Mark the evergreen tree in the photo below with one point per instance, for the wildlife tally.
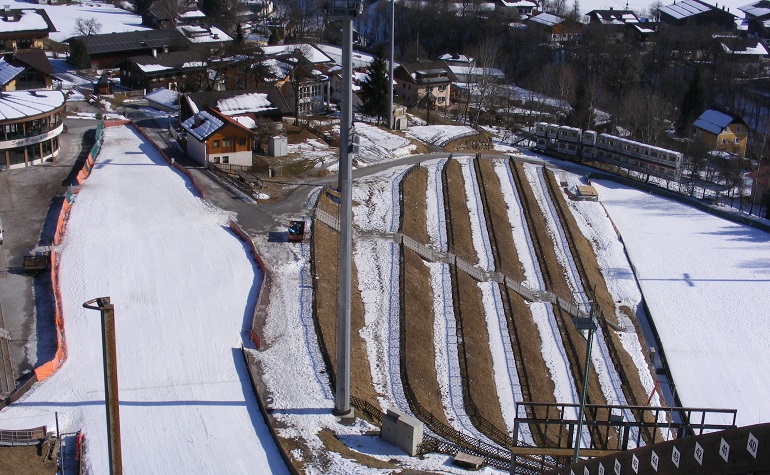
(212, 8)
(238, 34)
(374, 92)
(140, 6)
(691, 104)
(275, 38)
(581, 114)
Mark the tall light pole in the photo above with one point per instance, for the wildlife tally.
(110, 363)
(390, 63)
(581, 324)
(345, 11)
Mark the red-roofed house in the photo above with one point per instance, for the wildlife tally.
(214, 138)
(722, 131)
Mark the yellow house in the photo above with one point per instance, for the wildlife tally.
(722, 131)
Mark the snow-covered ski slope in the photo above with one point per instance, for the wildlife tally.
(705, 281)
(184, 289)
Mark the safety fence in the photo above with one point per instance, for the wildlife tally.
(23, 436)
(259, 308)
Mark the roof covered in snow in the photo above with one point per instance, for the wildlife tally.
(20, 104)
(164, 97)
(614, 17)
(685, 8)
(758, 9)
(359, 59)
(27, 19)
(202, 125)
(203, 34)
(546, 19)
(519, 4)
(192, 14)
(748, 48)
(8, 71)
(178, 60)
(476, 71)
(257, 102)
(309, 51)
(715, 121)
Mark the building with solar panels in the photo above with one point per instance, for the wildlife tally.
(696, 13)
(30, 125)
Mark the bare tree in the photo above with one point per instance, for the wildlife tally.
(87, 26)
(487, 53)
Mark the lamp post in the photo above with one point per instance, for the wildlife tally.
(582, 323)
(110, 363)
(345, 11)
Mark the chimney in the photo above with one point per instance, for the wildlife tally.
(7, 8)
(197, 120)
(216, 36)
(155, 52)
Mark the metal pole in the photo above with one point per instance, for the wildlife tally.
(342, 390)
(110, 364)
(391, 123)
(584, 390)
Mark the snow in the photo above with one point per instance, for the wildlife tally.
(309, 51)
(28, 20)
(244, 103)
(199, 34)
(377, 145)
(713, 121)
(359, 60)
(209, 124)
(63, 17)
(164, 97)
(704, 280)
(439, 134)
(186, 400)
(150, 68)
(20, 104)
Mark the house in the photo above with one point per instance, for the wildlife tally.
(426, 80)
(744, 51)
(335, 84)
(30, 127)
(760, 182)
(472, 74)
(204, 34)
(696, 13)
(214, 138)
(110, 49)
(24, 28)
(757, 18)
(555, 29)
(312, 53)
(524, 8)
(158, 16)
(612, 17)
(456, 59)
(25, 70)
(722, 131)
(255, 104)
(179, 69)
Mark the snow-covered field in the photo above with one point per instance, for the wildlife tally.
(705, 281)
(184, 288)
(64, 17)
(439, 134)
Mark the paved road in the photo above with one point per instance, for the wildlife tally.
(27, 197)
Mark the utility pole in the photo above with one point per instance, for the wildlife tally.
(345, 11)
(110, 363)
(391, 123)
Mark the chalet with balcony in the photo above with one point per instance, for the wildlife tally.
(214, 138)
(555, 29)
(757, 19)
(722, 131)
(24, 28)
(25, 70)
(180, 69)
(426, 80)
(253, 104)
(696, 13)
(110, 49)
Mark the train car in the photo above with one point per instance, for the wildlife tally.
(639, 157)
(541, 139)
(568, 140)
(588, 144)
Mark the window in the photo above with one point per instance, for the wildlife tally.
(737, 128)
(216, 144)
(227, 142)
(242, 141)
(737, 140)
(441, 88)
(441, 99)
(226, 159)
(724, 141)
